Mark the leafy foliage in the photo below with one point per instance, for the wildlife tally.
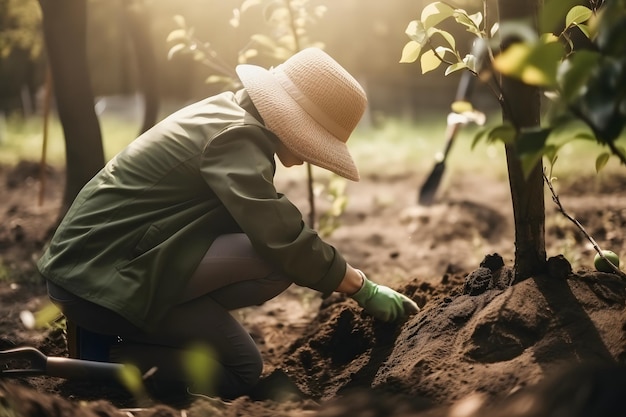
(287, 21)
(19, 27)
(336, 196)
(586, 84)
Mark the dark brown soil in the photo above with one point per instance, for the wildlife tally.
(482, 344)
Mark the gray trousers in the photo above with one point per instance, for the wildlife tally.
(230, 276)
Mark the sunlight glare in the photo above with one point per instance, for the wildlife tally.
(467, 406)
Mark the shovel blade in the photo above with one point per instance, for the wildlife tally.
(431, 185)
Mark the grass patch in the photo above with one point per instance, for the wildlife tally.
(394, 147)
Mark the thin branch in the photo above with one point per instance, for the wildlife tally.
(439, 57)
(309, 168)
(557, 201)
(292, 26)
(617, 152)
(215, 62)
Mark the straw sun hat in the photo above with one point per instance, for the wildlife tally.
(312, 104)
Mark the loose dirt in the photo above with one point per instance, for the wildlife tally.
(483, 343)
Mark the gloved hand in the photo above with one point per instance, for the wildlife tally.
(382, 302)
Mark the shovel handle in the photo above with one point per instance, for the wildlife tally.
(82, 369)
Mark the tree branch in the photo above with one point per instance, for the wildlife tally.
(557, 201)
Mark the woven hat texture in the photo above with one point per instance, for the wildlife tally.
(312, 104)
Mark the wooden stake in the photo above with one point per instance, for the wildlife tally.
(44, 145)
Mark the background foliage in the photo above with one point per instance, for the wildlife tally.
(365, 36)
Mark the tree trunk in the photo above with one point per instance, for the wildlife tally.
(138, 28)
(522, 109)
(64, 27)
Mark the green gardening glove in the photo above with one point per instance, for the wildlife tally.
(382, 302)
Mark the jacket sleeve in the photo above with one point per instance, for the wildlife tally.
(239, 167)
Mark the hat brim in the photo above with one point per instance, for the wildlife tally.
(299, 132)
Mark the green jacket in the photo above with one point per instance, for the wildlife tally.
(137, 231)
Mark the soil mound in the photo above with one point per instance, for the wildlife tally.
(494, 341)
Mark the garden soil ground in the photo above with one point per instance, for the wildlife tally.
(483, 343)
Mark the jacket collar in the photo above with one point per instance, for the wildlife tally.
(244, 100)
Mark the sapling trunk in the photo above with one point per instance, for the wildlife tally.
(522, 109)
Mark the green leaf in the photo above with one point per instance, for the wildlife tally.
(235, 21)
(481, 135)
(610, 32)
(585, 29)
(566, 130)
(180, 21)
(442, 51)
(477, 18)
(446, 35)
(602, 160)
(464, 19)
(550, 152)
(504, 133)
(429, 61)
(176, 35)
(410, 52)
(175, 49)
(552, 14)
(132, 379)
(46, 315)
(573, 73)
(548, 37)
(200, 366)
(532, 140)
(434, 13)
(248, 53)
(462, 106)
(417, 32)
(494, 29)
(534, 64)
(215, 79)
(512, 59)
(530, 148)
(577, 15)
(455, 67)
(198, 55)
(471, 62)
(600, 99)
(542, 64)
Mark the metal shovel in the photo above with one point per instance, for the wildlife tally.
(37, 363)
(464, 91)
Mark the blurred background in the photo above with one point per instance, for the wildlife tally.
(365, 36)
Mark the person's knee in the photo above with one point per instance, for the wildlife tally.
(278, 281)
(253, 370)
(243, 378)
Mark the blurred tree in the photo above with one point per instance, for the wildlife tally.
(64, 26)
(65, 34)
(137, 24)
(19, 24)
(20, 51)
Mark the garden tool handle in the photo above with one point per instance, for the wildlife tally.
(82, 369)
